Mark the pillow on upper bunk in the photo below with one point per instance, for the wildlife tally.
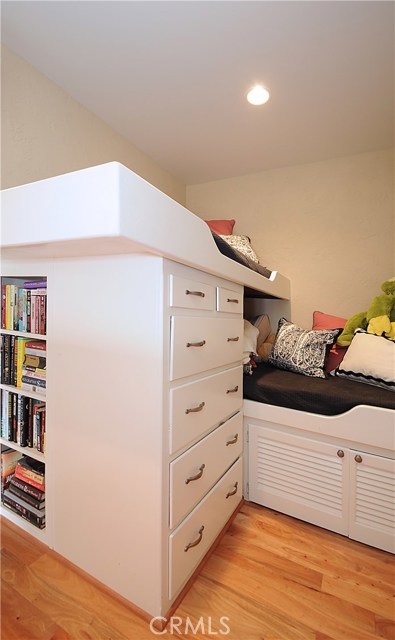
(369, 359)
(326, 321)
(221, 226)
(242, 244)
(301, 350)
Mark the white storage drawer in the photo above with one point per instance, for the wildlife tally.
(189, 543)
(190, 294)
(229, 300)
(200, 344)
(198, 406)
(194, 472)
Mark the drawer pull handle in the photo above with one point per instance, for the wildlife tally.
(234, 440)
(234, 390)
(195, 293)
(196, 344)
(232, 493)
(358, 458)
(197, 541)
(232, 300)
(195, 409)
(198, 475)
(236, 339)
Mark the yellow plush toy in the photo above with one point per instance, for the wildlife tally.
(379, 319)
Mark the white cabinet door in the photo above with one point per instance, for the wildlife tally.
(372, 500)
(303, 478)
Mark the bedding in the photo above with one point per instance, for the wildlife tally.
(331, 396)
(232, 253)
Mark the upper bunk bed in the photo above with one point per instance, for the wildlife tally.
(108, 209)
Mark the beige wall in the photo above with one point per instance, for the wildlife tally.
(45, 132)
(328, 226)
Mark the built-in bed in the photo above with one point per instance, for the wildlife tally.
(320, 449)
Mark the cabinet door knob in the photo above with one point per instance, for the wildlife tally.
(195, 293)
(358, 458)
(232, 493)
(195, 409)
(196, 344)
(234, 390)
(236, 339)
(340, 453)
(197, 476)
(197, 541)
(234, 440)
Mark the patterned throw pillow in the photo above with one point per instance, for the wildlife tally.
(242, 244)
(369, 359)
(301, 350)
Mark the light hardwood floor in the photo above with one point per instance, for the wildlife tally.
(270, 578)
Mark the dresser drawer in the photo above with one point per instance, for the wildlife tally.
(190, 294)
(189, 543)
(200, 344)
(229, 301)
(198, 406)
(194, 472)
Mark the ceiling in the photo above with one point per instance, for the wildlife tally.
(171, 77)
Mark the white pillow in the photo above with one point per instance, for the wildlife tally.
(242, 244)
(369, 359)
(250, 341)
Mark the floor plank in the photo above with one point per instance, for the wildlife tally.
(271, 578)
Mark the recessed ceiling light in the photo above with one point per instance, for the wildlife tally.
(258, 95)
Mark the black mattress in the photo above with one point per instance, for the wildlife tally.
(330, 396)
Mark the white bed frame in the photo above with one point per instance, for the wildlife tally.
(336, 472)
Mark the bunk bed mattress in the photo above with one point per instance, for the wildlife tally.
(330, 396)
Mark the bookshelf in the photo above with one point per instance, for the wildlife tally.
(23, 401)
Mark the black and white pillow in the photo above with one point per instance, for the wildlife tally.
(301, 350)
(369, 359)
(242, 244)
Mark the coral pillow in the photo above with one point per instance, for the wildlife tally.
(222, 227)
(325, 321)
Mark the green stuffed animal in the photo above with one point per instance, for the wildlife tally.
(379, 319)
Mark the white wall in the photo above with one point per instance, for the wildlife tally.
(45, 132)
(328, 226)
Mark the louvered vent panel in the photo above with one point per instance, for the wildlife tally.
(308, 477)
(375, 498)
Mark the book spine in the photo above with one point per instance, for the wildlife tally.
(22, 474)
(28, 310)
(37, 504)
(31, 473)
(34, 380)
(28, 488)
(38, 521)
(36, 344)
(3, 307)
(11, 374)
(35, 284)
(8, 306)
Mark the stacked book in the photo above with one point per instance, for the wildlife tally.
(34, 367)
(25, 494)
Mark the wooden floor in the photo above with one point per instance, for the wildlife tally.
(271, 578)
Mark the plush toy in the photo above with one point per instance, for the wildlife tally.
(265, 339)
(379, 319)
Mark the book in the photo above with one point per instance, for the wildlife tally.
(37, 504)
(32, 362)
(33, 388)
(33, 380)
(3, 307)
(35, 284)
(28, 488)
(31, 471)
(27, 511)
(21, 342)
(9, 459)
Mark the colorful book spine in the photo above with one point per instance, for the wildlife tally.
(26, 487)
